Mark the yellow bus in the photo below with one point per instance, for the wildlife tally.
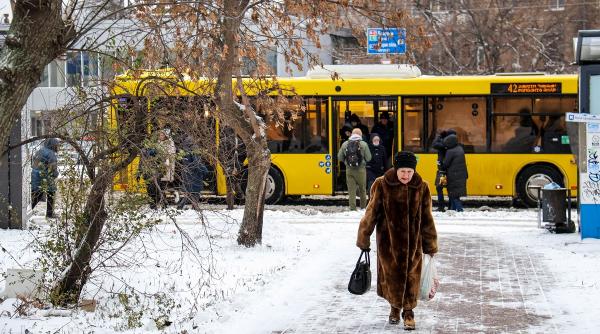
(512, 128)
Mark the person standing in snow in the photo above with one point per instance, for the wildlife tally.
(400, 208)
(355, 154)
(438, 145)
(44, 171)
(455, 166)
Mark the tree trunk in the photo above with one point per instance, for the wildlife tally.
(259, 161)
(67, 290)
(230, 197)
(37, 36)
(244, 122)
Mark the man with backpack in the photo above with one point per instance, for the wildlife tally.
(355, 154)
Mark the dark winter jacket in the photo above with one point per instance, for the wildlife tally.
(455, 166)
(438, 145)
(405, 230)
(386, 133)
(523, 140)
(44, 170)
(363, 128)
(193, 172)
(378, 163)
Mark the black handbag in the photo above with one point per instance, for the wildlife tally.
(360, 281)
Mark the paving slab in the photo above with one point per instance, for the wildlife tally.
(486, 287)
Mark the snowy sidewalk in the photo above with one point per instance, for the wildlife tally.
(487, 287)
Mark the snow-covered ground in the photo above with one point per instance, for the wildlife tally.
(220, 287)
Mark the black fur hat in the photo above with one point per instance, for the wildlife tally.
(405, 159)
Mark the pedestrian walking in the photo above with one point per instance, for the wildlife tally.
(378, 164)
(355, 154)
(455, 166)
(44, 172)
(167, 150)
(193, 172)
(440, 177)
(157, 168)
(400, 208)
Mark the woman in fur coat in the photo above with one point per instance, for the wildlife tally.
(400, 208)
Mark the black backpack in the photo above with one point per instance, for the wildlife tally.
(353, 154)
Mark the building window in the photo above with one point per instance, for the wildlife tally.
(37, 126)
(57, 73)
(557, 4)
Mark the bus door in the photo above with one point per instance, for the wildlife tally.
(367, 114)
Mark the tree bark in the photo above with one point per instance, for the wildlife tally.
(259, 161)
(37, 36)
(243, 120)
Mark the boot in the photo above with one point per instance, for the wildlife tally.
(394, 316)
(409, 319)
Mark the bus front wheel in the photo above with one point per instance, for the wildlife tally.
(274, 191)
(537, 175)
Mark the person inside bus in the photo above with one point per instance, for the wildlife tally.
(379, 162)
(357, 124)
(552, 136)
(345, 131)
(385, 129)
(526, 134)
(355, 154)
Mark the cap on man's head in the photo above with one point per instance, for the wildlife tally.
(356, 131)
(384, 115)
(405, 159)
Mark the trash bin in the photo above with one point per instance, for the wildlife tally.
(554, 205)
(556, 210)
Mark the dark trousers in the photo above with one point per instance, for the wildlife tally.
(440, 195)
(36, 197)
(455, 203)
(155, 193)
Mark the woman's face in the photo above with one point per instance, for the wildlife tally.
(405, 174)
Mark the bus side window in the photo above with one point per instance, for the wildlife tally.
(465, 115)
(554, 137)
(303, 128)
(412, 124)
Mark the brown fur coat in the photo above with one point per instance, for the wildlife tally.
(405, 230)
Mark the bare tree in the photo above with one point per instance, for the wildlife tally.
(216, 40)
(501, 36)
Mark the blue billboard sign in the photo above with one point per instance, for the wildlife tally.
(386, 40)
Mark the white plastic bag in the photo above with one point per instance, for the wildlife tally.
(429, 278)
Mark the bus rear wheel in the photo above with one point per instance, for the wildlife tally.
(274, 190)
(537, 175)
